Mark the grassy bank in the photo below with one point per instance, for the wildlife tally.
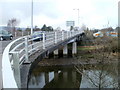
(99, 49)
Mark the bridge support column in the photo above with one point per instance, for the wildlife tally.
(74, 48)
(26, 50)
(56, 53)
(65, 50)
(46, 77)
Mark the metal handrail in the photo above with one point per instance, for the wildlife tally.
(12, 65)
(6, 68)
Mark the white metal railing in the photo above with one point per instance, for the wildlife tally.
(19, 50)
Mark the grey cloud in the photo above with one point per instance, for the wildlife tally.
(11, 9)
(47, 8)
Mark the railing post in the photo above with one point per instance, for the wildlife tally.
(77, 32)
(55, 37)
(74, 33)
(62, 35)
(67, 35)
(26, 49)
(44, 40)
(22, 32)
(15, 34)
(70, 34)
(16, 68)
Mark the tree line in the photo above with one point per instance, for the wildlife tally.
(12, 23)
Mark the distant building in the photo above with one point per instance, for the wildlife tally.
(98, 34)
(112, 33)
(69, 24)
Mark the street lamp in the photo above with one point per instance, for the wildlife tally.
(32, 17)
(78, 15)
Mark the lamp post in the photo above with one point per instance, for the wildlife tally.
(32, 17)
(78, 15)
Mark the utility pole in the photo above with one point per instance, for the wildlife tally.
(32, 17)
(78, 15)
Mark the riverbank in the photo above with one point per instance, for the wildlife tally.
(77, 60)
(72, 61)
(85, 55)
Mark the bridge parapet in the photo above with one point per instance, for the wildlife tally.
(19, 51)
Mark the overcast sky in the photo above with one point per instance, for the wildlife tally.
(55, 13)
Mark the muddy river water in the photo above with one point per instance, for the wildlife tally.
(75, 76)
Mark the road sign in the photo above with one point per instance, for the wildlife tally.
(70, 23)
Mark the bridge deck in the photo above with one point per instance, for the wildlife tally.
(22, 55)
(36, 58)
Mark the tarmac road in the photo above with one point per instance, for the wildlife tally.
(4, 43)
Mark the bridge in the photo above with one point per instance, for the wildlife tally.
(20, 56)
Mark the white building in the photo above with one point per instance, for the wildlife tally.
(98, 34)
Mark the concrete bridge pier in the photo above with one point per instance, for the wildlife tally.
(56, 53)
(65, 51)
(74, 48)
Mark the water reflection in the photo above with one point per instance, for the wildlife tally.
(76, 76)
(99, 76)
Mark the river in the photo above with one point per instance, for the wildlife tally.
(74, 76)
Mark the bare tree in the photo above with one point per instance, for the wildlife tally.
(103, 54)
(58, 29)
(83, 27)
(13, 23)
(100, 76)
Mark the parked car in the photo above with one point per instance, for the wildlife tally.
(37, 36)
(4, 35)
